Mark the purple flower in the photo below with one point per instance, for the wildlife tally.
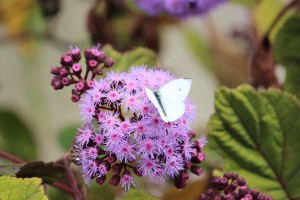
(126, 180)
(70, 72)
(230, 186)
(177, 8)
(123, 131)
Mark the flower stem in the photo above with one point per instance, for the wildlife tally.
(10, 157)
(122, 118)
(290, 5)
(73, 183)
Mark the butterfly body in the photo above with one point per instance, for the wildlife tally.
(157, 96)
(169, 98)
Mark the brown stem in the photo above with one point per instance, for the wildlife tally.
(10, 157)
(130, 166)
(263, 66)
(280, 15)
(106, 108)
(64, 188)
(122, 118)
(93, 76)
(73, 183)
(87, 72)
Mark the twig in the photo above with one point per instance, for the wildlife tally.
(73, 183)
(280, 15)
(10, 157)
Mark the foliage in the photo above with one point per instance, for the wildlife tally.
(135, 57)
(287, 44)
(15, 131)
(287, 48)
(246, 2)
(66, 136)
(48, 172)
(292, 81)
(18, 188)
(258, 134)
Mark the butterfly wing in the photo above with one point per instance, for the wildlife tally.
(155, 101)
(174, 109)
(169, 100)
(172, 96)
(176, 90)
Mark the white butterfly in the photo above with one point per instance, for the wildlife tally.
(169, 98)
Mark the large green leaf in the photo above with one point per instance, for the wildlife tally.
(292, 81)
(136, 57)
(17, 137)
(137, 195)
(287, 43)
(67, 135)
(259, 136)
(12, 188)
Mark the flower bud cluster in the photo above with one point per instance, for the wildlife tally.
(71, 71)
(231, 187)
(178, 8)
(123, 132)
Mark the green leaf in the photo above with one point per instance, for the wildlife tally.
(49, 172)
(292, 81)
(16, 135)
(258, 136)
(134, 194)
(246, 2)
(12, 188)
(66, 136)
(200, 49)
(268, 10)
(287, 43)
(36, 22)
(136, 57)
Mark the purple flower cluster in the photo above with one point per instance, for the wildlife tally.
(178, 8)
(70, 71)
(123, 132)
(231, 187)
